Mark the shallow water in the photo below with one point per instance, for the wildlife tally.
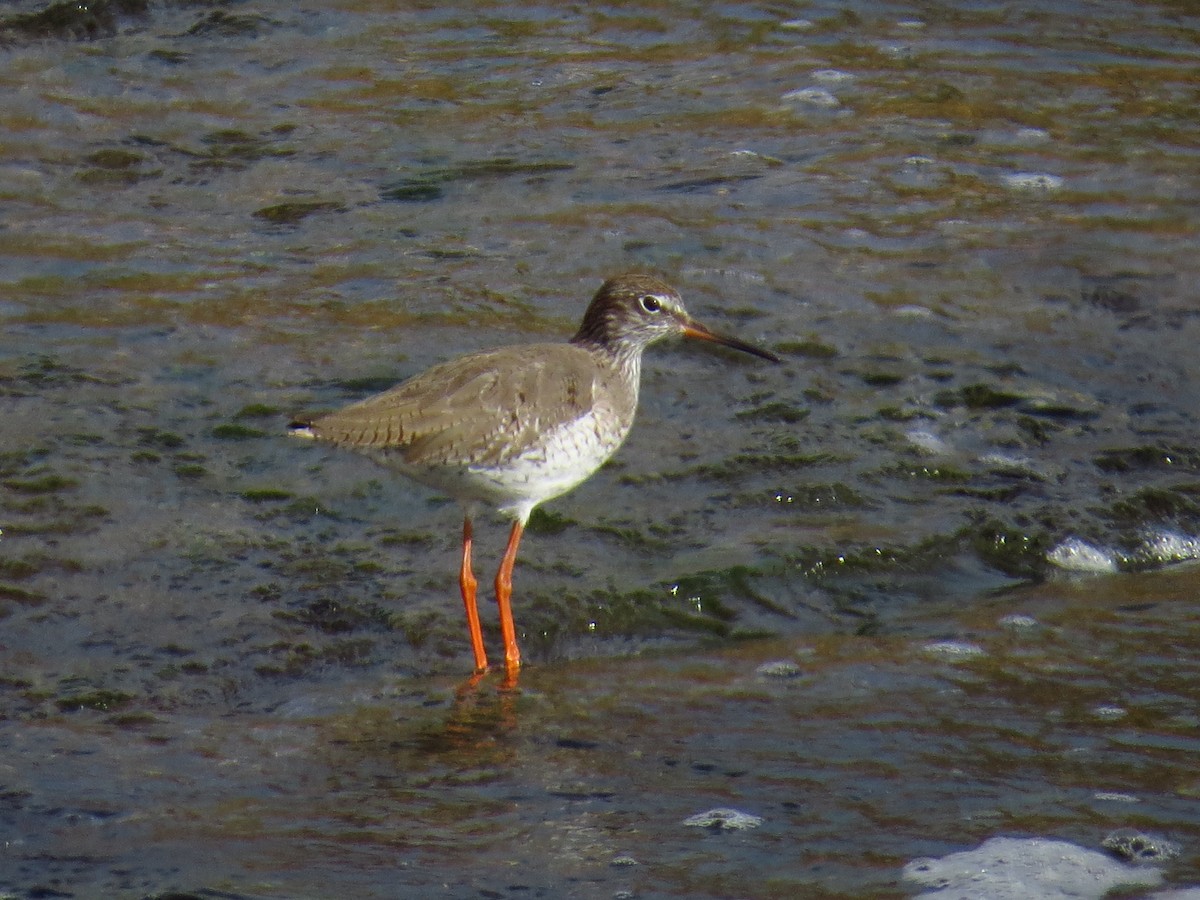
(926, 583)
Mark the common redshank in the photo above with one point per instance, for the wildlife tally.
(511, 428)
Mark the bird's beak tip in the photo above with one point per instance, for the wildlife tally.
(693, 329)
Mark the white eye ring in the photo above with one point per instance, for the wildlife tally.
(650, 303)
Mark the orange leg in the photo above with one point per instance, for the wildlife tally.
(512, 655)
(466, 581)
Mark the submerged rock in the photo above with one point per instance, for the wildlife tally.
(723, 819)
(1025, 869)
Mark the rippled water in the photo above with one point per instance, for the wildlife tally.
(926, 584)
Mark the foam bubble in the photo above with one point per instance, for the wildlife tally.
(1077, 555)
(812, 96)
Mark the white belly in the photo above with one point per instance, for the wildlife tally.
(558, 462)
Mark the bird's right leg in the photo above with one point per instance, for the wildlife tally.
(512, 653)
(466, 581)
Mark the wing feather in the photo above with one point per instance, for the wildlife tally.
(480, 409)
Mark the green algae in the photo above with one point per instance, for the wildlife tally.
(134, 719)
(810, 349)
(808, 497)
(50, 483)
(20, 596)
(696, 622)
(977, 396)
(881, 379)
(392, 537)
(74, 20)
(777, 411)
(232, 144)
(1125, 460)
(633, 536)
(266, 495)
(1016, 552)
(295, 660)
(295, 212)
(431, 184)
(341, 616)
(12, 567)
(543, 521)
(222, 23)
(1154, 505)
(717, 590)
(235, 431)
(155, 437)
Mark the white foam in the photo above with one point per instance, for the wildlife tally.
(953, 649)
(1114, 797)
(913, 311)
(1077, 555)
(831, 76)
(1033, 181)
(927, 441)
(1032, 135)
(812, 96)
(1168, 546)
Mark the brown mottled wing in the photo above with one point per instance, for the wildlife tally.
(480, 409)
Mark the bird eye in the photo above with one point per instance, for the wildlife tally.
(650, 303)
